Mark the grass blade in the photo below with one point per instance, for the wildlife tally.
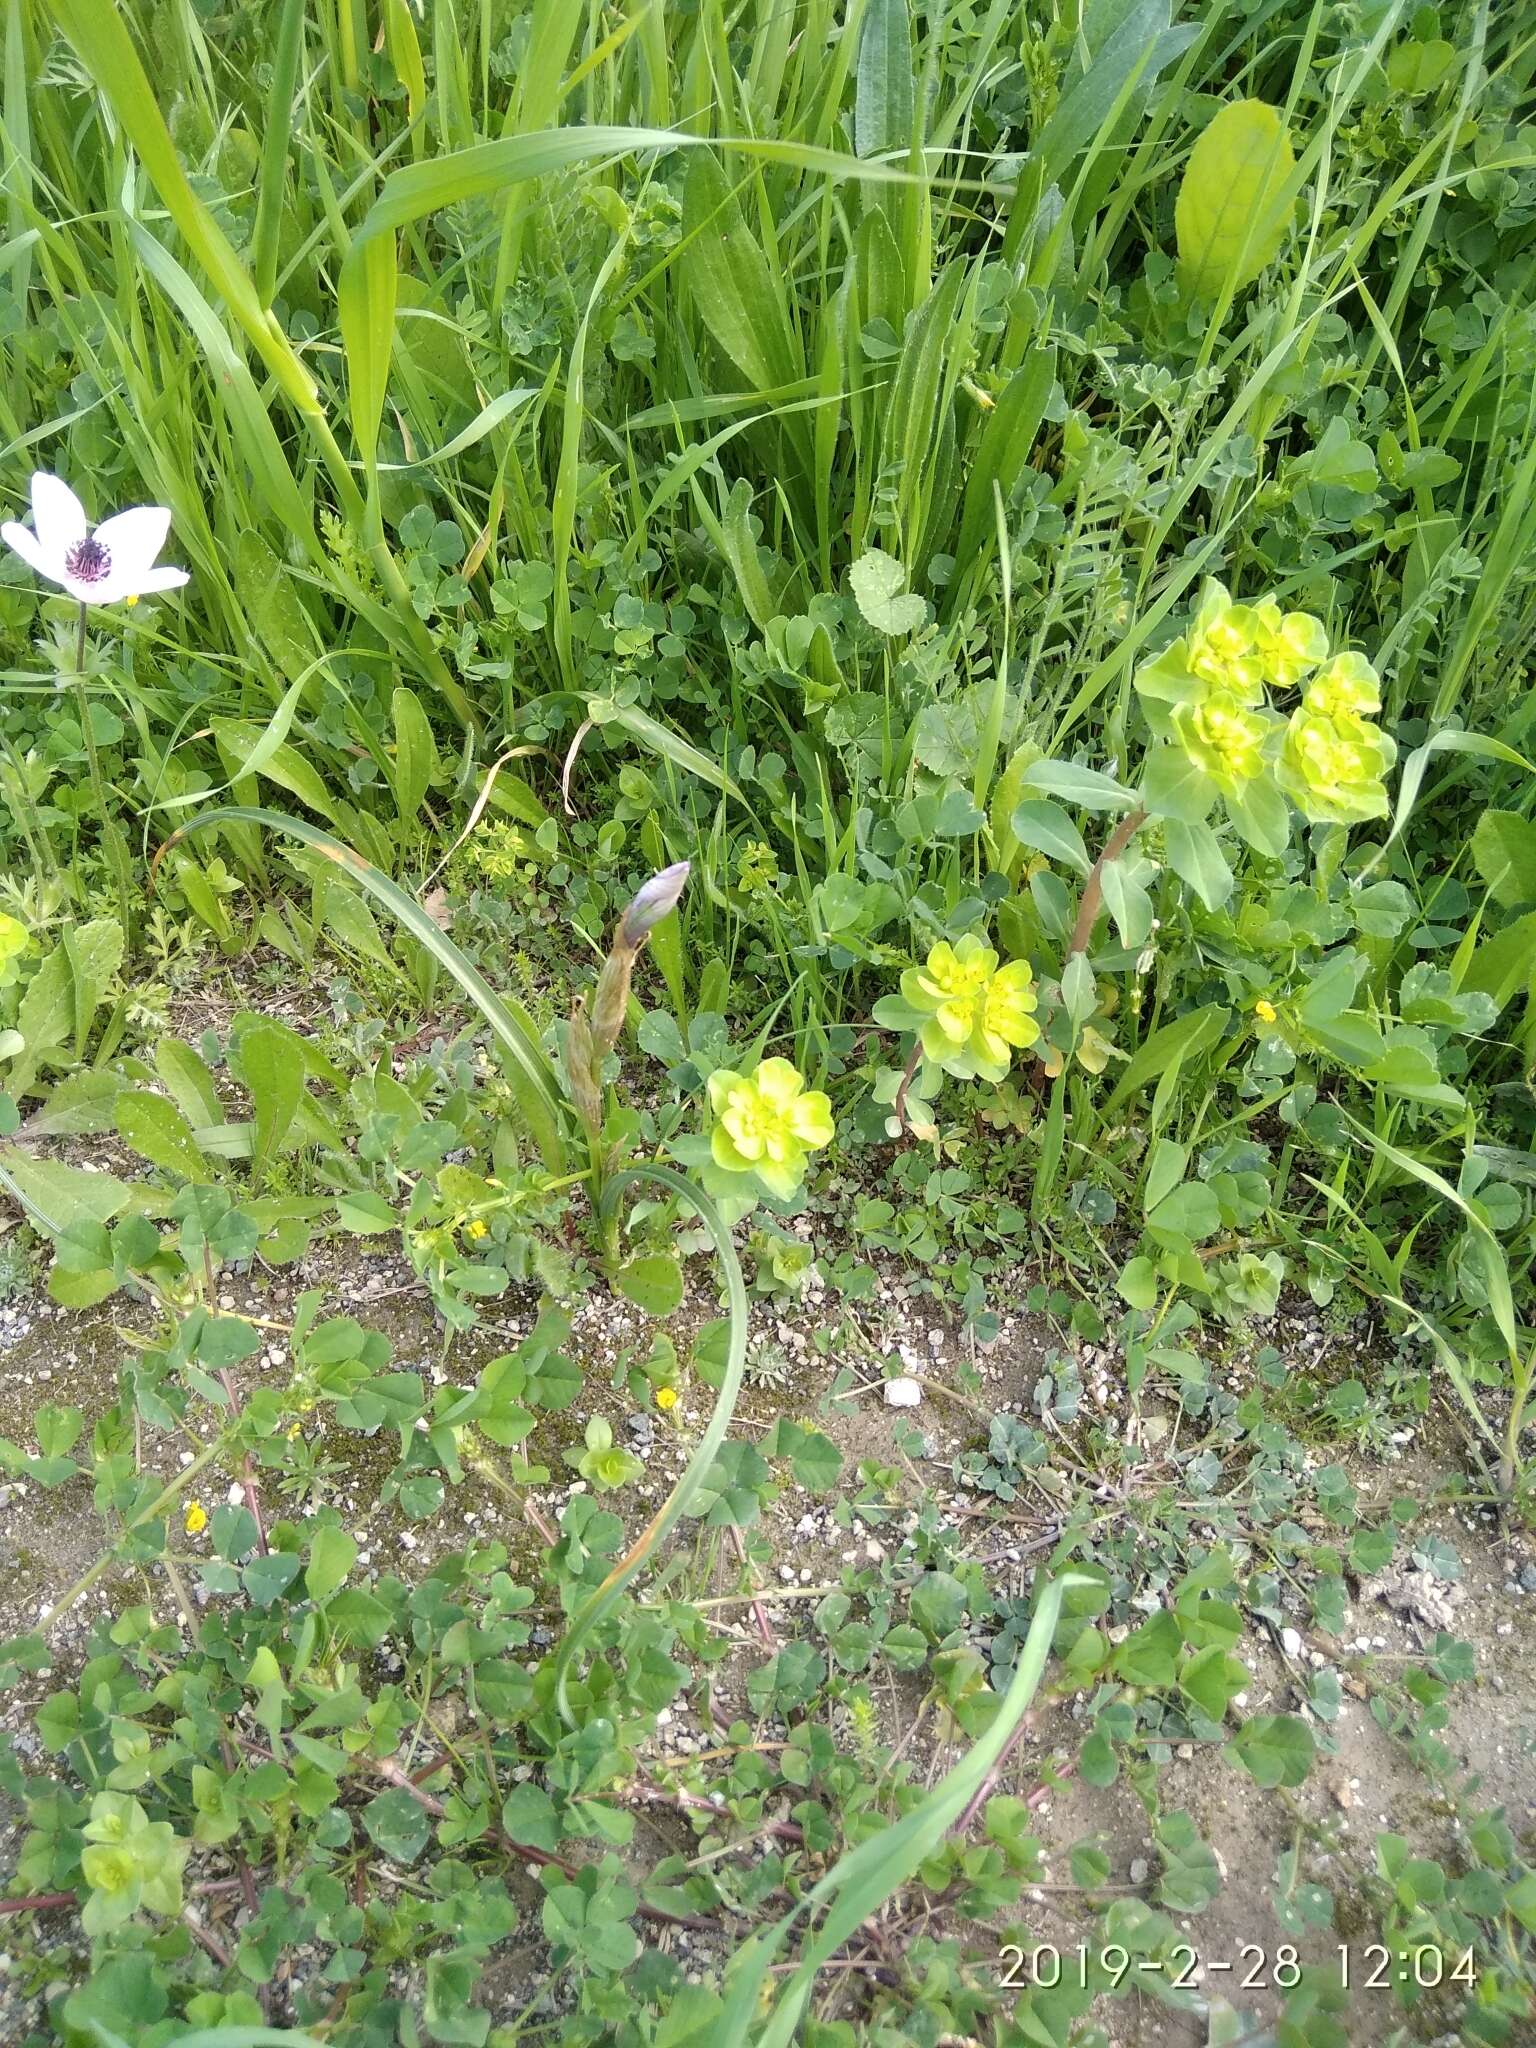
(863, 1879)
(539, 1092)
(286, 56)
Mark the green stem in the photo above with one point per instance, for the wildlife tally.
(117, 852)
(162, 1500)
(1519, 1395)
(677, 1503)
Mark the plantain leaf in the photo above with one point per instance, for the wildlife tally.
(416, 759)
(365, 302)
(1232, 210)
(884, 98)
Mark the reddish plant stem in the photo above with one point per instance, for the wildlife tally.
(764, 1625)
(206, 1939)
(39, 1902)
(1093, 889)
(906, 1082)
(247, 1475)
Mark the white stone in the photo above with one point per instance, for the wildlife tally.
(902, 1393)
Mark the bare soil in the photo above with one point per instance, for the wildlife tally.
(1363, 1783)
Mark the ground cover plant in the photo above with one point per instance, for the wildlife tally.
(767, 1022)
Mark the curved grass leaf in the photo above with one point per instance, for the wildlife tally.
(417, 189)
(863, 1879)
(533, 1075)
(682, 1496)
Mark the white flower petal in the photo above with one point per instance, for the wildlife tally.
(114, 588)
(30, 549)
(133, 539)
(57, 514)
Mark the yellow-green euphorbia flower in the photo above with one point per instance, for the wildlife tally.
(975, 1012)
(1332, 769)
(1222, 645)
(1347, 688)
(768, 1123)
(1289, 644)
(1223, 737)
(13, 943)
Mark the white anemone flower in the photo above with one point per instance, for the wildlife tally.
(116, 560)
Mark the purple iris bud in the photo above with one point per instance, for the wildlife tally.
(659, 895)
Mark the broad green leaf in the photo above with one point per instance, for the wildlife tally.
(1167, 1048)
(1504, 848)
(63, 996)
(1195, 855)
(185, 1073)
(671, 746)
(1047, 828)
(1191, 1874)
(158, 1132)
(57, 1196)
(416, 763)
(332, 1555)
(1173, 786)
(879, 585)
(365, 1213)
(1191, 1211)
(1232, 210)
(1274, 1749)
(272, 1066)
(653, 1282)
(245, 749)
(397, 1825)
(365, 301)
(1007, 439)
(1073, 783)
(728, 274)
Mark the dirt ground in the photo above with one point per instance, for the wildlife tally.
(1362, 1783)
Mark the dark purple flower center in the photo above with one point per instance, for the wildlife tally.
(88, 561)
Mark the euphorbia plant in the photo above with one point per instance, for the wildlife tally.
(1223, 742)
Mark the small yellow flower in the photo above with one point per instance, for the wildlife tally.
(1347, 688)
(195, 1520)
(976, 1014)
(477, 1227)
(1332, 767)
(1265, 1012)
(768, 1123)
(1221, 646)
(666, 1397)
(1290, 644)
(1223, 737)
(294, 1429)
